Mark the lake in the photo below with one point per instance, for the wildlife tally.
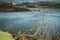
(21, 21)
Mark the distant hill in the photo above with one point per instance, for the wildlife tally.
(26, 6)
(9, 7)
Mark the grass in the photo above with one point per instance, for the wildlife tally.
(5, 36)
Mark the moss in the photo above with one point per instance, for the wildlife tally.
(5, 36)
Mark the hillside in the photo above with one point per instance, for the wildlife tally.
(7, 7)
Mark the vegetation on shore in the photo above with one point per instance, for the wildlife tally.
(20, 36)
(9, 7)
(5, 36)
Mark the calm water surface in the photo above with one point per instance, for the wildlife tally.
(16, 21)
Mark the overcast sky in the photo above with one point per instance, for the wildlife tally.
(18, 1)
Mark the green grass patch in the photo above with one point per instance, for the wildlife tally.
(5, 36)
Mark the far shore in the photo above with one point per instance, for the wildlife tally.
(7, 7)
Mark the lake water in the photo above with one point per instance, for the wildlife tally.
(21, 21)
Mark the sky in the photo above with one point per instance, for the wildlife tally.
(19, 1)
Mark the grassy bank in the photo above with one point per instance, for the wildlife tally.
(8, 36)
(5, 36)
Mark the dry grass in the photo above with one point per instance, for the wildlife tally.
(24, 37)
